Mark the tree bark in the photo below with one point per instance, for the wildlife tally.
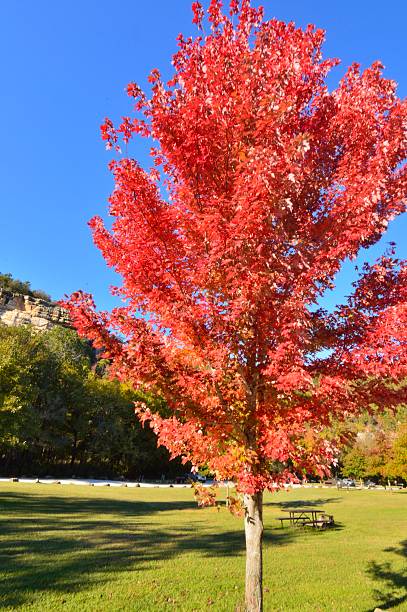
(253, 525)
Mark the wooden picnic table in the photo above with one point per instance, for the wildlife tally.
(313, 517)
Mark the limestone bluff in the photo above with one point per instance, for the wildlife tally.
(19, 309)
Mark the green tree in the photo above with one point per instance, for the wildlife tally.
(61, 414)
(25, 371)
(355, 463)
(396, 467)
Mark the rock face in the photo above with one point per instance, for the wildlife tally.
(17, 309)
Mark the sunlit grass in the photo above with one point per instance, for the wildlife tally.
(83, 548)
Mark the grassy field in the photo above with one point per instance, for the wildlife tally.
(84, 548)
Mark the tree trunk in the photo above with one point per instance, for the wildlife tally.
(74, 449)
(253, 526)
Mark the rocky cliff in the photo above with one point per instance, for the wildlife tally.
(17, 309)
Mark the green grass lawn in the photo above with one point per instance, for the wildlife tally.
(84, 548)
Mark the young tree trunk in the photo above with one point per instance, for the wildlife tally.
(253, 526)
(74, 450)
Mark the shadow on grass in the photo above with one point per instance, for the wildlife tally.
(65, 545)
(12, 502)
(305, 503)
(393, 591)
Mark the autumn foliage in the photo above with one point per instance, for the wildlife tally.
(205, 496)
(263, 183)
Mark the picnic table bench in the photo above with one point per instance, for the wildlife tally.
(307, 517)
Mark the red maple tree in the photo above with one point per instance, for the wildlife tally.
(263, 183)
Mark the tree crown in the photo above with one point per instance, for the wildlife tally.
(263, 183)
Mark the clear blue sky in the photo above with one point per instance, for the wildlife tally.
(65, 64)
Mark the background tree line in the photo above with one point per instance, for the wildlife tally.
(61, 415)
(378, 450)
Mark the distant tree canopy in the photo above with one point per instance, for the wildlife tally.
(9, 283)
(379, 451)
(61, 416)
